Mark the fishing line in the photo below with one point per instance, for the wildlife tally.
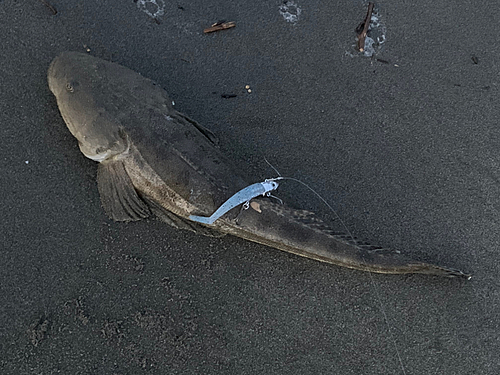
(386, 319)
(265, 188)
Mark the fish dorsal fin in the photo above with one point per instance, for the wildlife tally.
(206, 132)
(312, 221)
(118, 196)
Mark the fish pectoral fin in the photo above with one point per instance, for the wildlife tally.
(118, 195)
(206, 132)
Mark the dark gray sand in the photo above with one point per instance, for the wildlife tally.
(407, 151)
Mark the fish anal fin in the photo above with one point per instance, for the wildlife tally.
(118, 195)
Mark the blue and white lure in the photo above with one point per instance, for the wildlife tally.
(241, 197)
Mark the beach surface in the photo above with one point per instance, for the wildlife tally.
(404, 145)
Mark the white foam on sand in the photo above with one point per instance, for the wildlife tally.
(290, 11)
(153, 8)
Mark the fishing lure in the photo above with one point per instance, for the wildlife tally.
(241, 197)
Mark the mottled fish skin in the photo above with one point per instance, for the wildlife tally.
(154, 159)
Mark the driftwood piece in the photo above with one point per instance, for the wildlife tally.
(219, 26)
(362, 29)
(50, 6)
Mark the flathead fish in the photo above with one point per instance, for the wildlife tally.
(156, 160)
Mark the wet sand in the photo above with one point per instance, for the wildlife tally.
(404, 149)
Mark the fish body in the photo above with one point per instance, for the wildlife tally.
(156, 160)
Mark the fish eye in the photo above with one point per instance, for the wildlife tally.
(69, 87)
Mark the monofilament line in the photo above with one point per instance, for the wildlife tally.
(387, 322)
(386, 319)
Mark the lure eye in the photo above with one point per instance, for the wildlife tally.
(69, 87)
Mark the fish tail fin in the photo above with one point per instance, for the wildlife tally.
(431, 269)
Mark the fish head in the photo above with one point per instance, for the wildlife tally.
(77, 81)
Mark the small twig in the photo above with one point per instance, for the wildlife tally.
(362, 29)
(219, 26)
(51, 7)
